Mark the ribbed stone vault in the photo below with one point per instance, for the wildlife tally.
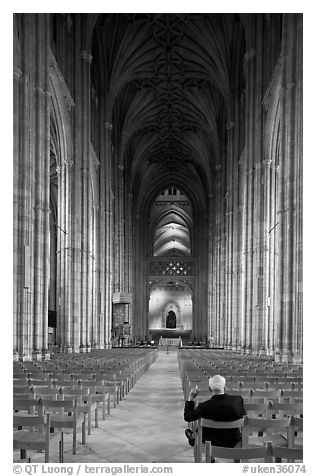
(169, 81)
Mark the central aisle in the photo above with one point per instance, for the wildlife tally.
(147, 426)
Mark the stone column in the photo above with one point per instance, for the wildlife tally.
(219, 259)
(251, 92)
(230, 235)
(242, 262)
(129, 233)
(64, 282)
(119, 238)
(108, 235)
(31, 195)
(291, 178)
(265, 255)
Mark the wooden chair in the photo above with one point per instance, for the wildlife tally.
(22, 389)
(25, 406)
(256, 409)
(291, 396)
(268, 395)
(285, 409)
(295, 433)
(64, 415)
(207, 423)
(98, 395)
(111, 386)
(39, 440)
(266, 429)
(43, 381)
(238, 455)
(244, 392)
(290, 454)
(48, 393)
(73, 384)
(84, 403)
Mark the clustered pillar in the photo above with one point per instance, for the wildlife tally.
(31, 191)
(258, 197)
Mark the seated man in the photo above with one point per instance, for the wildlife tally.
(220, 407)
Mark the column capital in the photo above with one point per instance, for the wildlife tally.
(291, 85)
(250, 54)
(41, 208)
(267, 162)
(251, 171)
(17, 73)
(69, 164)
(108, 125)
(230, 125)
(86, 56)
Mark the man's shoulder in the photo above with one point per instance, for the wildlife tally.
(205, 403)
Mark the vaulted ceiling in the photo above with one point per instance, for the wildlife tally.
(168, 82)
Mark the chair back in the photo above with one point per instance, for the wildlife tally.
(25, 404)
(208, 423)
(285, 409)
(237, 454)
(32, 421)
(291, 395)
(290, 454)
(269, 425)
(67, 406)
(296, 425)
(80, 394)
(258, 408)
(267, 394)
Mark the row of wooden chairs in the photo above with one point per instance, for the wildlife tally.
(256, 433)
(192, 373)
(268, 454)
(70, 395)
(117, 378)
(267, 395)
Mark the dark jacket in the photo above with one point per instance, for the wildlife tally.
(219, 408)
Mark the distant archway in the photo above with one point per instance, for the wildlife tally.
(171, 320)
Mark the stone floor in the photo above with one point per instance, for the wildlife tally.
(146, 427)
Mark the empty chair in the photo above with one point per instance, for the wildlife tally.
(41, 381)
(291, 396)
(22, 392)
(285, 409)
(257, 431)
(245, 393)
(295, 433)
(256, 409)
(26, 406)
(39, 439)
(47, 392)
(84, 403)
(289, 454)
(111, 386)
(238, 455)
(273, 395)
(99, 395)
(64, 415)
